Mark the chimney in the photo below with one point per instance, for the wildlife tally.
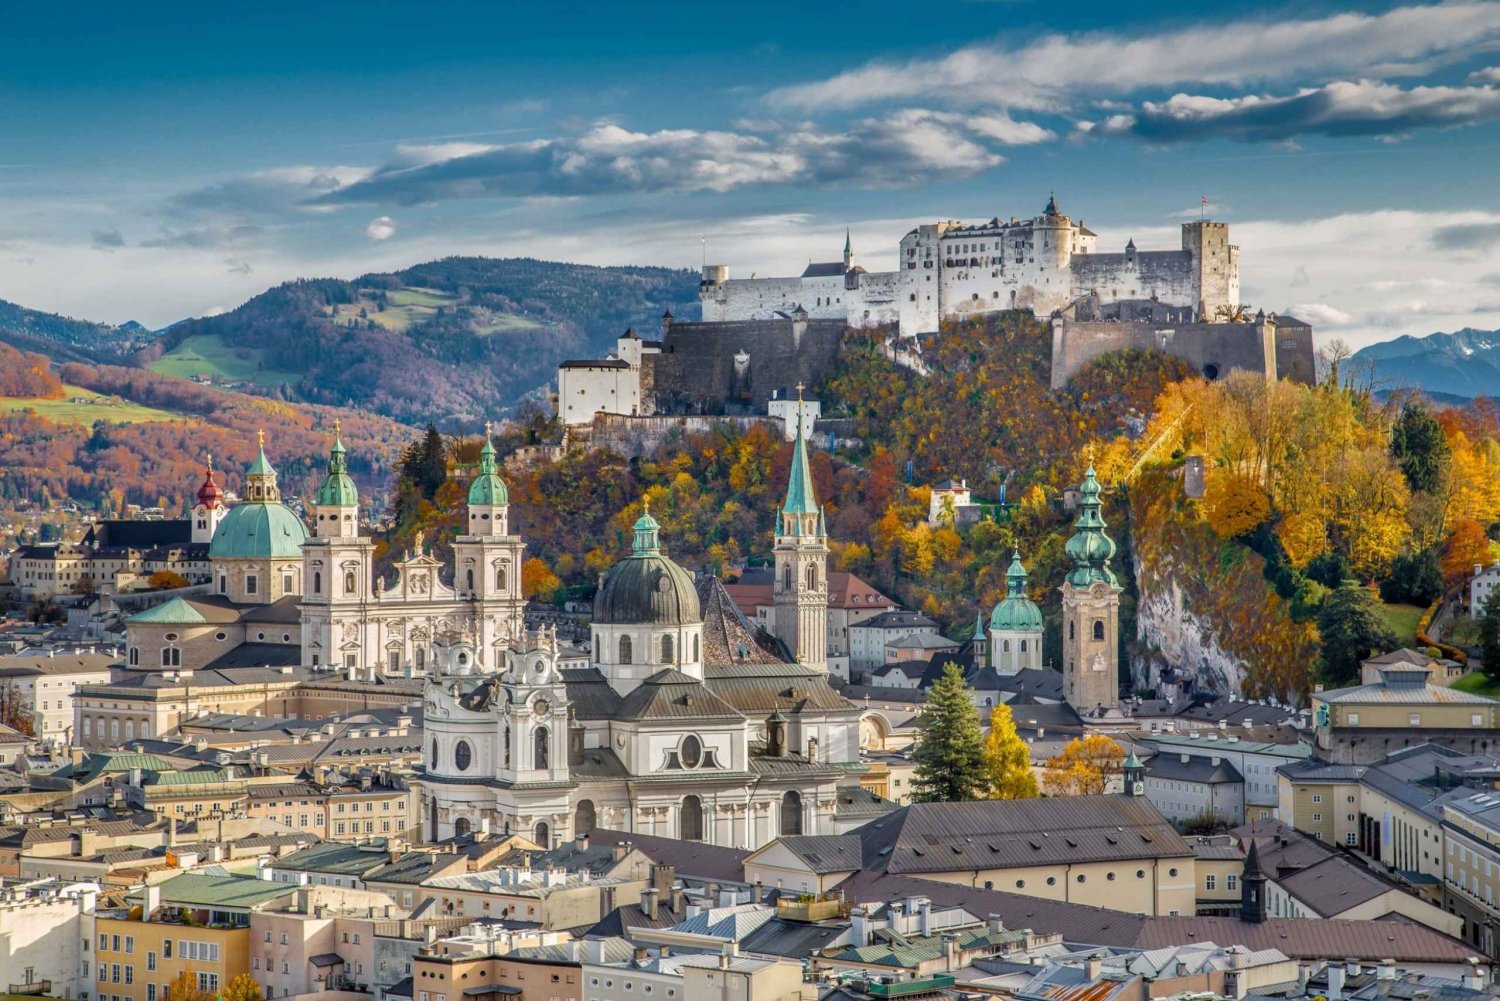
(1474, 980)
(724, 959)
(995, 924)
(676, 897)
(151, 902)
(649, 901)
(618, 851)
(1304, 973)
(859, 927)
(1094, 966)
(1351, 966)
(760, 894)
(950, 951)
(580, 842)
(593, 950)
(1335, 982)
(1387, 970)
(924, 918)
(640, 955)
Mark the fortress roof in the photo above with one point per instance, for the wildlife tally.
(594, 363)
(830, 269)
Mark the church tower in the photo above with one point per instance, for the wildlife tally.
(337, 564)
(209, 509)
(848, 251)
(1015, 626)
(801, 552)
(1090, 610)
(487, 562)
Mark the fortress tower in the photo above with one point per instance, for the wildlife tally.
(1091, 610)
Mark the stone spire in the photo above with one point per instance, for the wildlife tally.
(1089, 547)
(260, 478)
(1253, 887)
(801, 498)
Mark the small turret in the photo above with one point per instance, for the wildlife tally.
(337, 502)
(1253, 888)
(848, 251)
(260, 477)
(1134, 774)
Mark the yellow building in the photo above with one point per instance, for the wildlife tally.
(1364, 723)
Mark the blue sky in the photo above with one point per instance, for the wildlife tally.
(165, 160)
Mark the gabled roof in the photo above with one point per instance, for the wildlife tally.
(690, 858)
(826, 269)
(174, 612)
(825, 853)
(671, 694)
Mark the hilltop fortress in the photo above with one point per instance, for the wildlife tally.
(949, 270)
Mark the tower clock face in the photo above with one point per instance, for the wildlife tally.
(540, 707)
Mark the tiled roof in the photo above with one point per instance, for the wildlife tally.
(690, 858)
(1201, 770)
(757, 690)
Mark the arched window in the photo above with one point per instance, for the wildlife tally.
(695, 646)
(583, 817)
(171, 657)
(500, 578)
(317, 582)
(1070, 630)
(1098, 629)
(690, 751)
(539, 750)
(434, 754)
(542, 835)
(463, 756)
(460, 827)
(690, 820)
(469, 579)
(1023, 646)
(625, 650)
(786, 577)
(1005, 646)
(812, 576)
(666, 649)
(135, 657)
(791, 812)
(349, 582)
(506, 743)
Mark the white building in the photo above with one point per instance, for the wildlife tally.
(1255, 760)
(949, 270)
(947, 497)
(612, 385)
(1185, 787)
(45, 925)
(45, 686)
(869, 638)
(796, 415)
(1484, 581)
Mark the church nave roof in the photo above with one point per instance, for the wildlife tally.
(671, 694)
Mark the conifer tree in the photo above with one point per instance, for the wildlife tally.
(1353, 628)
(950, 747)
(1007, 759)
(1489, 635)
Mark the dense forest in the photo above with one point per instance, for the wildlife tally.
(65, 339)
(449, 341)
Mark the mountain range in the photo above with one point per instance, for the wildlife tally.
(449, 341)
(1464, 363)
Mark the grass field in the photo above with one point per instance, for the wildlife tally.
(409, 307)
(1478, 684)
(1403, 622)
(208, 355)
(90, 408)
(1461, 631)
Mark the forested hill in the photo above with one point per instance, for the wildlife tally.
(449, 341)
(63, 338)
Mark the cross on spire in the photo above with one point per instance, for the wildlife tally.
(210, 458)
(489, 428)
(800, 387)
(260, 437)
(338, 427)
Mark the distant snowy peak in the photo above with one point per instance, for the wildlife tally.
(1462, 363)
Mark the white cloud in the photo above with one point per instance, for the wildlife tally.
(381, 228)
(1002, 128)
(1320, 314)
(1046, 72)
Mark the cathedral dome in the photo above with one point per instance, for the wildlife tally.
(258, 531)
(337, 488)
(488, 489)
(1016, 613)
(646, 588)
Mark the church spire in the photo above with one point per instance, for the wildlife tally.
(337, 488)
(260, 478)
(647, 533)
(801, 499)
(488, 489)
(848, 251)
(1089, 546)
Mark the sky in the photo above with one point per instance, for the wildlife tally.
(165, 160)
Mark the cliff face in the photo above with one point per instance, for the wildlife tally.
(1206, 617)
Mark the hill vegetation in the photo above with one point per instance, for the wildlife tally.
(65, 339)
(449, 341)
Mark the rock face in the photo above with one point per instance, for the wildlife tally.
(1206, 617)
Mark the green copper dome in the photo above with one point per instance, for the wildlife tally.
(646, 588)
(488, 489)
(337, 488)
(1090, 549)
(258, 531)
(1016, 613)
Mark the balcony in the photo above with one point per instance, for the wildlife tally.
(808, 908)
(37, 988)
(904, 988)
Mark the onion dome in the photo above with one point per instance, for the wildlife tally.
(1090, 549)
(337, 488)
(488, 489)
(209, 495)
(646, 588)
(1016, 613)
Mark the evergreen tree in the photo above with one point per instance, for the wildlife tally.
(1420, 449)
(1007, 759)
(1489, 635)
(950, 746)
(1353, 628)
(1415, 578)
(424, 464)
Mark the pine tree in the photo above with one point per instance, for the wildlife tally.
(950, 747)
(1489, 635)
(1418, 444)
(1007, 759)
(1353, 628)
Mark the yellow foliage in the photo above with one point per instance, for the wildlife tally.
(1234, 504)
(1083, 767)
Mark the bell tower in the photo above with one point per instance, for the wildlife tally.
(487, 561)
(337, 564)
(801, 551)
(208, 510)
(1091, 610)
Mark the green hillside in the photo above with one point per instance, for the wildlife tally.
(208, 357)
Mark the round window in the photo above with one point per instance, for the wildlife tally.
(221, 637)
(1140, 874)
(691, 751)
(463, 756)
(1051, 880)
(170, 637)
(1171, 872)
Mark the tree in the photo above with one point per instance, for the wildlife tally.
(84, 584)
(1083, 767)
(1467, 547)
(1418, 444)
(1007, 759)
(166, 580)
(1415, 578)
(538, 581)
(1489, 634)
(184, 987)
(15, 710)
(950, 746)
(1353, 628)
(242, 988)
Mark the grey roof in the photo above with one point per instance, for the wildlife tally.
(1042, 683)
(258, 655)
(791, 939)
(690, 858)
(1403, 692)
(757, 690)
(825, 853)
(991, 834)
(648, 588)
(590, 694)
(1334, 885)
(897, 620)
(671, 694)
(824, 269)
(612, 363)
(1201, 770)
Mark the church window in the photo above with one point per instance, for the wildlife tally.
(584, 817)
(691, 819)
(286, 584)
(625, 650)
(434, 754)
(812, 577)
(250, 583)
(421, 658)
(500, 578)
(506, 742)
(691, 751)
(1005, 646)
(1070, 631)
(542, 835)
(539, 750)
(786, 577)
(349, 582)
(1098, 629)
(791, 813)
(463, 756)
(223, 585)
(461, 827)
(171, 656)
(1023, 646)
(393, 660)
(469, 579)
(666, 649)
(695, 647)
(317, 582)
(135, 657)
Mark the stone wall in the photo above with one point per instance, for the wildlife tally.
(1213, 349)
(736, 368)
(638, 436)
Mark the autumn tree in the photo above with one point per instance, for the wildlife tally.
(242, 988)
(1467, 547)
(166, 580)
(15, 709)
(1353, 629)
(184, 987)
(1007, 759)
(949, 752)
(538, 581)
(85, 584)
(1083, 767)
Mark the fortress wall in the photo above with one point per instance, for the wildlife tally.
(1213, 349)
(632, 437)
(881, 299)
(763, 298)
(1296, 359)
(1167, 275)
(697, 371)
